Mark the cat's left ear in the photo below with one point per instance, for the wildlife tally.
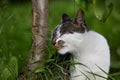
(79, 21)
(80, 18)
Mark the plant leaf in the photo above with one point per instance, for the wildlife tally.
(101, 10)
(41, 69)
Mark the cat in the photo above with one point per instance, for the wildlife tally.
(90, 49)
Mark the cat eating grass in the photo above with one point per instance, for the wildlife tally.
(90, 49)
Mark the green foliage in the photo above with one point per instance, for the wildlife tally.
(102, 8)
(15, 39)
(53, 67)
(9, 70)
(15, 35)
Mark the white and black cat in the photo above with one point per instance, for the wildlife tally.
(87, 47)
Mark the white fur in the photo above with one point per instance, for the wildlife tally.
(89, 48)
(58, 30)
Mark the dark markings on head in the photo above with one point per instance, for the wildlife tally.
(77, 25)
(71, 26)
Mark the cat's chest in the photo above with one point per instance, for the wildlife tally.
(87, 58)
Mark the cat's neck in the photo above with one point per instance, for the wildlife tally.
(92, 44)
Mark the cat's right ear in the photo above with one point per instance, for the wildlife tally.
(65, 18)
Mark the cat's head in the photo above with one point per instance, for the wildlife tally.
(67, 34)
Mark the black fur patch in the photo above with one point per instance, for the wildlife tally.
(70, 27)
(65, 18)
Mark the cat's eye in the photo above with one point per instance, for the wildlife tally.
(60, 41)
(71, 32)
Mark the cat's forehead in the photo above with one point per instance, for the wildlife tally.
(64, 28)
(70, 27)
(67, 25)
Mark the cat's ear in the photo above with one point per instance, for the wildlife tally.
(80, 18)
(79, 21)
(65, 18)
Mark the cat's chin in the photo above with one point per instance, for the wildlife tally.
(63, 50)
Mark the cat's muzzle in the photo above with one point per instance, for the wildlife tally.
(59, 44)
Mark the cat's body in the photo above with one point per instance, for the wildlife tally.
(88, 48)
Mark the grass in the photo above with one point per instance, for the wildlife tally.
(15, 38)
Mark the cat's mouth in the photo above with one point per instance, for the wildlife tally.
(61, 47)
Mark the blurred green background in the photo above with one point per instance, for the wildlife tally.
(15, 29)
